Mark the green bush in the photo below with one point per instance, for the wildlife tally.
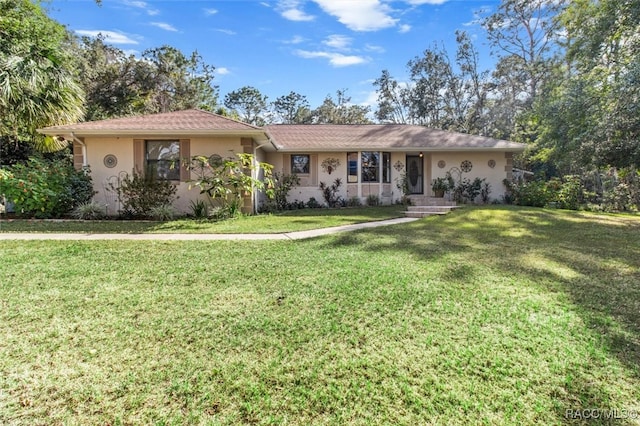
(43, 189)
(313, 203)
(330, 193)
(139, 194)
(373, 200)
(354, 201)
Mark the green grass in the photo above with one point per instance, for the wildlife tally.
(485, 316)
(290, 221)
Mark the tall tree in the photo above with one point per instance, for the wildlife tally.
(249, 104)
(292, 109)
(441, 92)
(178, 81)
(526, 31)
(340, 111)
(393, 103)
(591, 116)
(37, 86)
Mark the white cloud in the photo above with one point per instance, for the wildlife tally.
(291, 10)
(164, 26)
(335, 59)
(419, 2)
(141, 5)
(336, 41)
(112, 37)
(361, 15)
(405, 28)
(297, 15)
(209, 12)
(222, 71)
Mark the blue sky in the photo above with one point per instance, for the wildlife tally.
(310, 47)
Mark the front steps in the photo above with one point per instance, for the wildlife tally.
(424, 206)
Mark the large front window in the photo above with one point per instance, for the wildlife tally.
(370, 166)
(163, 159)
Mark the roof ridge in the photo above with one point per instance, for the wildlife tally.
(224, 117)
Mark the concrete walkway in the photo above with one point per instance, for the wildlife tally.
(299, 235)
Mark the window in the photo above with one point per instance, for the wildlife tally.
(300, 164)
(386, 167)
(370, 166)
(163, 159)
(352, 165)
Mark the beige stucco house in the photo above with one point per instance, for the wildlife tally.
(369, 159)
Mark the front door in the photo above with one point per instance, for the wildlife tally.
(415, 174)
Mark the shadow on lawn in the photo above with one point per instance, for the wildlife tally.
(593, 259)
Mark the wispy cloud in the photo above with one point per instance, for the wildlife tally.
(361, 15)
(112, 37)
(336, 41)
(225, 31)
(295, 40)
(209, 12)
(292, 10)
(141, 5)
(164, 26)
(374, 48)
(222, 71)
(404, 28)
(335, 59)
(420, 2)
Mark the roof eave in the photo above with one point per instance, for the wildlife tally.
(146, 133)
(402, 149)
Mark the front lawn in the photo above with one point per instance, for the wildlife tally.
(288, 221)
(490, 315)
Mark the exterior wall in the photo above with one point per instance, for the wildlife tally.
(123, 149)
(389, 192)
(480, 168)
(309, 184)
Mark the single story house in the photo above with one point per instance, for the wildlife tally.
(369, 159)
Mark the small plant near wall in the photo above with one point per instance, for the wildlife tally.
(439, 186)
(373, 200)
(330, 165)
(330, 193)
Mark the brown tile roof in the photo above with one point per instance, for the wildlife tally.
(329, 137)
(187, 121)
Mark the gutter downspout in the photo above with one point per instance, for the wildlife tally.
(84, 149)
(255, 172)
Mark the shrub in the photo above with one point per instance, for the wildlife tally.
(42, 188)
(373, 200)
(330, 193)
(89, 211)
(313, 203)
(468, 191)
(354, 201)
(198, 209)
(228, 181)
(163, 213)
(282, 185)
(140, 194)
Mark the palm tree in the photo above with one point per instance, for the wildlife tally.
(37, 88)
